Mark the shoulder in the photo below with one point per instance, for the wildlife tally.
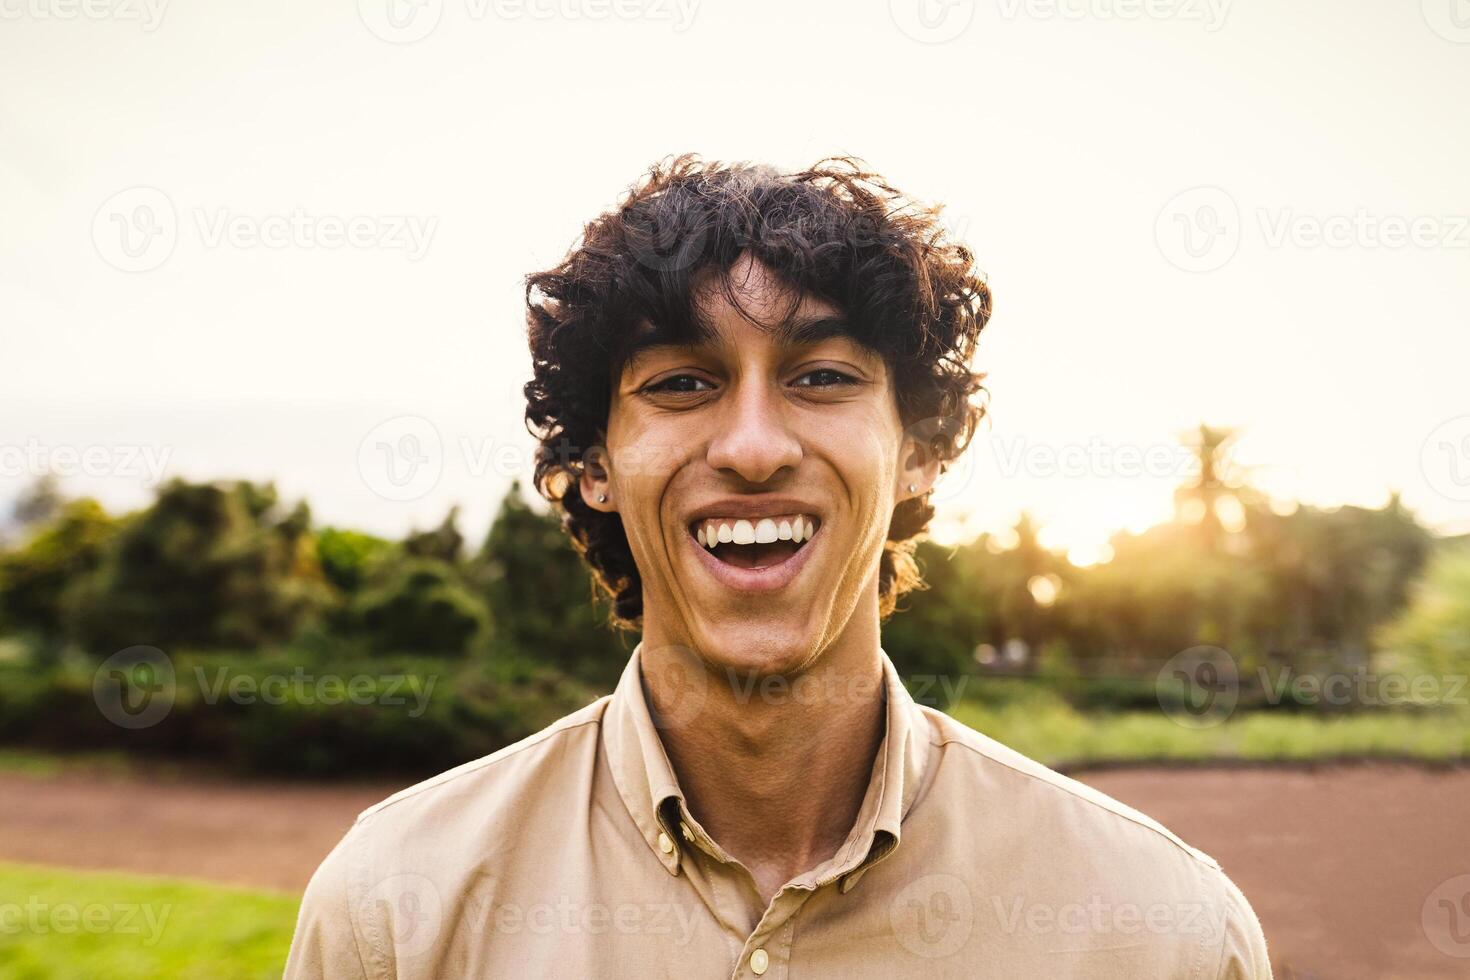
(467, 811)
(1049, 835)
(969, 760)
(510, 778)
(388, 888)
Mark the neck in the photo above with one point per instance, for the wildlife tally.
(776, 767)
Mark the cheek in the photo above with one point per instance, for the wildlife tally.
(645, 460)
(865, 455)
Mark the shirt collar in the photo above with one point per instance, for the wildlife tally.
(645, 780)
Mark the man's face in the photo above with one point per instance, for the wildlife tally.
(783, 452)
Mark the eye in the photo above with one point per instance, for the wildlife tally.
(824, 378)
(678, 384)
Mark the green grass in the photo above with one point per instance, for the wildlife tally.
(42, 762)
(1041, 725)
(57, 923)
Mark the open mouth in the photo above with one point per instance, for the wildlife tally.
(754, 544)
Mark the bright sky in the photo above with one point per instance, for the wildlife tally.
(1252, 214)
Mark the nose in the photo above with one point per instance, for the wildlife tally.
(754, 440)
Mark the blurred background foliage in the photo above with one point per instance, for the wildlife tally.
(488, 644)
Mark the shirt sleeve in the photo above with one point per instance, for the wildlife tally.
(1243, 953)
(324, 946)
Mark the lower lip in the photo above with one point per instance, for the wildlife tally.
(767, 579)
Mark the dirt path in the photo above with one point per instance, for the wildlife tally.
(1338, 862)
(258, 834)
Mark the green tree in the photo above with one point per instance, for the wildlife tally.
(932, 637)
(35, 577)
(350, 558)
(207, 566)
(1432, 634)
(421, 606)
(1335, 576)
(539, 589)
(444, 543)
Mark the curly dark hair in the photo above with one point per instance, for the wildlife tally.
(835, 231)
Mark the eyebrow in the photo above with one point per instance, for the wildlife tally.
(795, 331)
(806, 330)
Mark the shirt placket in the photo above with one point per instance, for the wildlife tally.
(767, 951)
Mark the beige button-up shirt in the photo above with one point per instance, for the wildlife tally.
(573, 854)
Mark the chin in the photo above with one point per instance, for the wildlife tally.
(759, 647)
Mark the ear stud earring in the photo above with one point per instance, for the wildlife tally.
(602, 498)
(913, 488)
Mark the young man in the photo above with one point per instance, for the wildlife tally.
(746, 384)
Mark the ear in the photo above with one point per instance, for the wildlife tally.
(596, 482)
(918, 467)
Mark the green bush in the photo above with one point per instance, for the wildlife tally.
(421, 604)
(290, 714)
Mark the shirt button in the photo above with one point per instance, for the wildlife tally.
(664, 844)
(684, 829)
(759, 960)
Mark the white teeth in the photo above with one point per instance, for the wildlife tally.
(764, 530)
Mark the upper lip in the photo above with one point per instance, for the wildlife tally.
(753, 507)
